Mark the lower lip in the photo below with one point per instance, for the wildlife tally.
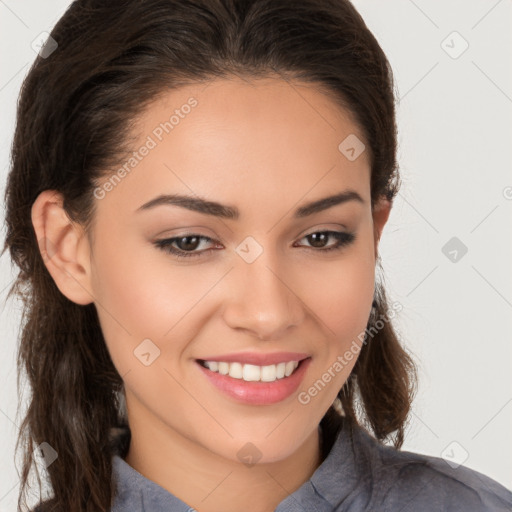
(258, 393)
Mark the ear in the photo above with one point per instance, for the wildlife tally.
(380, 216)
(64, 247)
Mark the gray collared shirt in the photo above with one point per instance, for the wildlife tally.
(358, 474)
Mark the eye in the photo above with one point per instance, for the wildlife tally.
(318, 238)
(188, 243)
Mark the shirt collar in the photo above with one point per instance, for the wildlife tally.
(329, 485)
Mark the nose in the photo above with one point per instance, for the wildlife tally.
(264, 300)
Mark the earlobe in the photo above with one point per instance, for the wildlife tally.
(380, 217)
(62, 246)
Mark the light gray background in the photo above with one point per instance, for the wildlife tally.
(455, 156)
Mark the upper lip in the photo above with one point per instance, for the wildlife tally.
(258, 359)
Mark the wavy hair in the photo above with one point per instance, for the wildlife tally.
(75, 110)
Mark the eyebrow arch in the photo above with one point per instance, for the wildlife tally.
(206, 207)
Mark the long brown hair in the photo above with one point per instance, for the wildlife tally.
(74, 114)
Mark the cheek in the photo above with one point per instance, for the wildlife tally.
(138, 297)
(341, 292)
(341, 299)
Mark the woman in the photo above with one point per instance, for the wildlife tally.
(196, 199)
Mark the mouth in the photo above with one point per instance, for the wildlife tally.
(251, 372)
(252, 384)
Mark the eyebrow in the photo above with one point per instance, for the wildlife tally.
(215, 209)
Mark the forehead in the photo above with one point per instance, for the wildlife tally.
(268, 106)
(252, 140)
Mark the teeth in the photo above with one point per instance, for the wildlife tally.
(223, 367)
(251, 372)
(289, 368)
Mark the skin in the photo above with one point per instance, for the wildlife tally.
(266, 147)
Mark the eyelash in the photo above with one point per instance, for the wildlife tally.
(343, 238)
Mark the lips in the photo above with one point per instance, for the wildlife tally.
(256, 393)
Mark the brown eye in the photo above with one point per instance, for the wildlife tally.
(186, 245)
(318, 239)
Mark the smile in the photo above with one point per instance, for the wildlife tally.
(252, 384)
(251, 372)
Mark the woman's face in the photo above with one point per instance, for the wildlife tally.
(259, 282)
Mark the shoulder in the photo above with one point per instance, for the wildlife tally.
(430, 483)
(409, 481)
